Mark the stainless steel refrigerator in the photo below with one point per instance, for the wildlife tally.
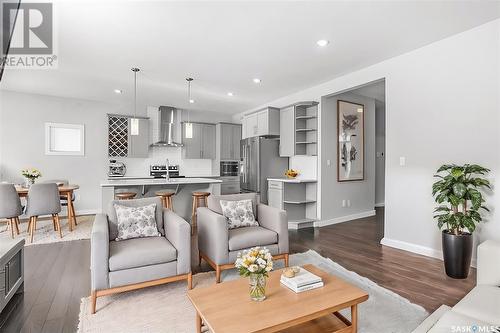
(259, 160)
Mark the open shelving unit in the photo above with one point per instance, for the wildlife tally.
(306, 128)
(299, 201)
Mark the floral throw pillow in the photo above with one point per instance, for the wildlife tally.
(238, 213)
(135, 222)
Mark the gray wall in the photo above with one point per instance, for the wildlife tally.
(379, 148)
(360, 193)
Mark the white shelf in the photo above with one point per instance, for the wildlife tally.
(299, 202)
(305, 142)
(305, 117)
(305, 129)
(299, 224)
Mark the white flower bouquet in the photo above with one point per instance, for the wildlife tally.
(31, 173)
(255, 263)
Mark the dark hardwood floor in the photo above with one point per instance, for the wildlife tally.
(58, 275)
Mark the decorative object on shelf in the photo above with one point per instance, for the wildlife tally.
(134, 122)
(189, 125)
(255, 263)
(350, 145)
(458, 193)
(31, 176)
(291, 173)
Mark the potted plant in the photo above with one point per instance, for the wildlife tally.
(31, 176)
(255, 263)
(458, 193)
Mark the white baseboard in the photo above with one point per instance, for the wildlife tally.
(418, 249)
(380, 204)
(345, 218)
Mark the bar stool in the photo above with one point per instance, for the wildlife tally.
(166, 198)
(197, 197)
(125, 195)
(10, 207)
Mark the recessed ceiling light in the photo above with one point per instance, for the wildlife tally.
(256, 80)
(230, 94)
(118, 91)
(191, 101)
(322, 42)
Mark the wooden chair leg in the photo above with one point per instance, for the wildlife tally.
(54, 222)
(217, 274)
(93, 300)
(17, 225)
(33, 228)
(193, 215)
(10, 225)
(199, 259)
(170, 204)
(58, 224)
(286, 260)
(190, 281)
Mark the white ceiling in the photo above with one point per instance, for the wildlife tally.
(224, 45)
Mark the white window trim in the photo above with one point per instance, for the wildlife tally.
(49, 151)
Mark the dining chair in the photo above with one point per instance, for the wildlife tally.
(10, 207)
(43, 199)
(64, 199)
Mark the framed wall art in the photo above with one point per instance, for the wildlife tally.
(350, 144)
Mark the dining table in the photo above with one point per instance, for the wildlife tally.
(65, 191)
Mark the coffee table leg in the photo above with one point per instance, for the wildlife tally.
(198, 322)
(354, 318)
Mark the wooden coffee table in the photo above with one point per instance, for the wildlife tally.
(227, 307)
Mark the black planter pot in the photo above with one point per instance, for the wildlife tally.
(457, 253)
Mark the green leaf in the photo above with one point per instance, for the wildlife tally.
(454, 200)
(459, 189)
(476, 198)
(457, 172)
(445, 167)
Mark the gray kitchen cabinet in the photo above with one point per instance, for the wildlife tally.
(121, 142)
(229, 141)
(208, 143)
(265, 122)
(287, 132)
(202, 143)
(139, 144)
(11, 269)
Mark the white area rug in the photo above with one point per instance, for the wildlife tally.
(167, 309)
(45, 233)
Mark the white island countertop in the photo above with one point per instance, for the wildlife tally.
(157, 181)
(293, 180)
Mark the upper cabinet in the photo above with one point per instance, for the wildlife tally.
(299, 129)
(228, 141)
(122, 141)
(201, 145)
(265, 122)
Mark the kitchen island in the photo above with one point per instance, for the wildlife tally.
(147, 186)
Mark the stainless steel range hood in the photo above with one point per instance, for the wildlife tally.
(168, 127)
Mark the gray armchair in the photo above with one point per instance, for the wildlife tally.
(118, 266)
(219, 246)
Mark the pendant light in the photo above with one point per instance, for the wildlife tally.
(134, 122)
(188, 125)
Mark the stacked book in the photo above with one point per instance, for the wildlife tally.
(302, 281)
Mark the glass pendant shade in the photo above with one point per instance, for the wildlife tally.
(134, 126)
(188, 130)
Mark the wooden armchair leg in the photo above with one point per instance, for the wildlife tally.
(190, 281)
(286, 260)
(93, 300)
(217, 274)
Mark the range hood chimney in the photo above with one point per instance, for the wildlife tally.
(167, 127)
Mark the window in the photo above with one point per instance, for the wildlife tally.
(64, 139)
